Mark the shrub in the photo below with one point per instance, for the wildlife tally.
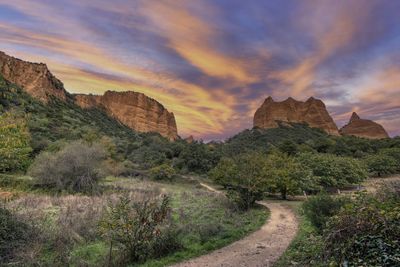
(244, 177)
(366, 232)
(333, 171)
(135, 226)
(162, 172)
(75, 168)
(14, 143)
(318, 209)
(393, 153)
(381, 164)
(13, 234)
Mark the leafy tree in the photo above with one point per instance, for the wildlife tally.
(198, 157)
(394, 153)
(14, 143)
(162, 172)
(381, 164)
(287, 176)
(289, 147)
(332, 171)
(243, 176)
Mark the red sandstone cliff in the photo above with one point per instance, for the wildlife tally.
(134, 110)
(313, 112)
(34, 78)
(363, 128)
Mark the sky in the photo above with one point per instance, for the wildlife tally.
(213, 62)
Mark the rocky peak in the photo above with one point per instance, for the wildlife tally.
(363, 128)
(313, 112)
(135, 110)
(34, 78)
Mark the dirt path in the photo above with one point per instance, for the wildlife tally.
(261, 248)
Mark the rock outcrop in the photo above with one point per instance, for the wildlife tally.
(34, 78)
(313, 112)
(135, 110)
(363, 128)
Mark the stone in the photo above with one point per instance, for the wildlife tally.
(313, 112)
(34, 78)
(133, 109)
(363, 128)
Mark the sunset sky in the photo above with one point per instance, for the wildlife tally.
(213, 62)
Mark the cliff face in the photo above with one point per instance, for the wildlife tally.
(134, 110)
(363, 128)
(313, 112)
(34, 78)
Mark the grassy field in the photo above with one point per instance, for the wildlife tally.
(67, 224)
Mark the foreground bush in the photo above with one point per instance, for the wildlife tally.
(75, 168)
(136, 227)
(320, 208)
(367, 231)
(13, 234)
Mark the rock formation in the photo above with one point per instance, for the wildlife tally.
(135, 110)
(34, 78)
(313, 112)
(363, 128)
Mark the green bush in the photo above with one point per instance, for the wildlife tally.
(320, 208)
(163, 172)
(13, 234)
(136, 227)
(381, 164)
(15, 148)
(366, 232)
(75, 168)
(334, 171)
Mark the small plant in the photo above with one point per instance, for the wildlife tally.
(135, 227)
(320, 208)
(163, 172)
(13, 234)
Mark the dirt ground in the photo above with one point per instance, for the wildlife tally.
(261, 248)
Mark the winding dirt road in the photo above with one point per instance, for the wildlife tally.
(261, 248)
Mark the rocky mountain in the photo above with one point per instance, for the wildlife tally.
(34, 78)
(313, 112)
(135, 110)
(363, 128)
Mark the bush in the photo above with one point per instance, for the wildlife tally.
(334, 171)
(14, 143)
(163, 172)
(13, 234)
(75, 168)
(381, 164)
(136, 227)
(320, 208)
(366, 232)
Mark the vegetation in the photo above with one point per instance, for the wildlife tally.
(75, 168)
(14, 143)
(163, 172)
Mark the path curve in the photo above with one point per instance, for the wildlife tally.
(261, 248)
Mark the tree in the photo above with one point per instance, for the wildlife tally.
(287, 176)
(15, 146)
(333, 171)
(381, 164)
(243, 176)
(76, 167)
(394, 153)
